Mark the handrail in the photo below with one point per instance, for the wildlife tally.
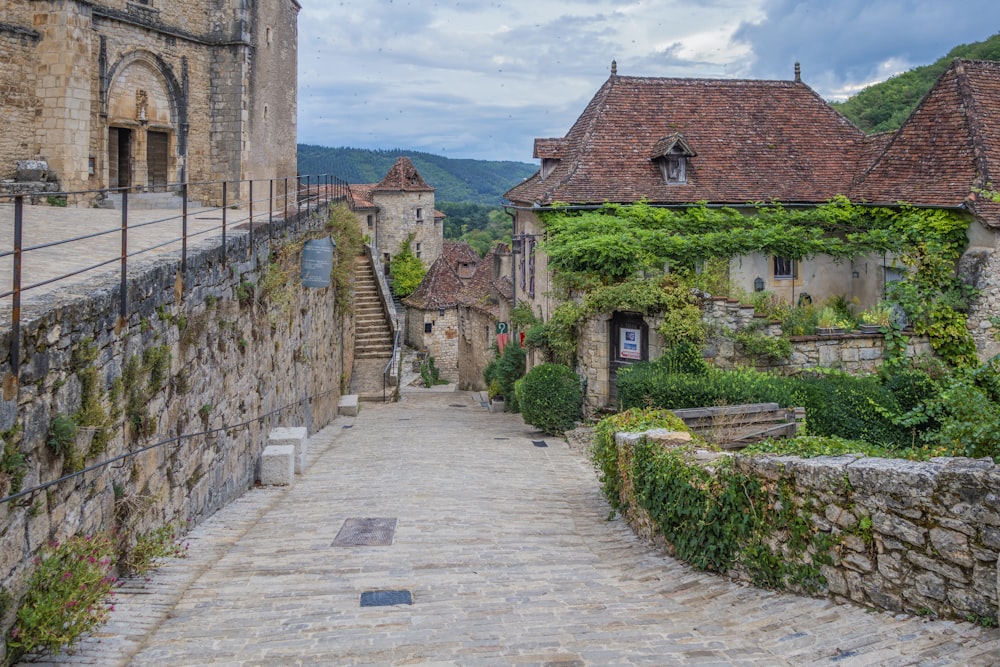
(316, 191)
(389, 309)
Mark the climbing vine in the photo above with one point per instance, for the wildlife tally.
(600, 251)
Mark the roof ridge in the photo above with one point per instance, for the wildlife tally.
(974, 122)
(603, 94)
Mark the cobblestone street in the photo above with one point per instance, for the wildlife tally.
(508, 555)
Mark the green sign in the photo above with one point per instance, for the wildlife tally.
(501, 327)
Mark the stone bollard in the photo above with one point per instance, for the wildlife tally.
(297, 437)
(277, 465)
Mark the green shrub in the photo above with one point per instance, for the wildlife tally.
(684, 357)
(552, 398)
(604, 453)
(505, 369)
(836, 404)
(406, 270)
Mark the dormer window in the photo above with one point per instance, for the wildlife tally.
(550, 152)
(671, 155)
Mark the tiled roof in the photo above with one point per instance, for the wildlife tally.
(754, 140)
(439, 288)
(442, 285)
(480, 292)
(947, 147)
(403, 176)
(361, 196)
(775, 141)
(457, 252)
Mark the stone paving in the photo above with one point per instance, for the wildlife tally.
(510, 558)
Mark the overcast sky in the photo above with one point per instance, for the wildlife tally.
(484, 78)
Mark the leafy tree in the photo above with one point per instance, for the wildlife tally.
(885, 106)
(406, 270)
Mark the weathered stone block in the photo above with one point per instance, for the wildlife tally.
(348, 405)
(953, 546)
(277, 465)
(297, 437)
(893, 526)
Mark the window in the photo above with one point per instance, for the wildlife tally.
(420, 215)
(785, 268)
(371, 221)
(428, 327)
(676, 169)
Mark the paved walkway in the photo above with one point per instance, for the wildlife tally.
(509, 556)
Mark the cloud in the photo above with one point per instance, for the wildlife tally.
(852, 42)
(483, 78)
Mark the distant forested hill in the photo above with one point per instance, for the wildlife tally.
(886, 105)
(471, 181)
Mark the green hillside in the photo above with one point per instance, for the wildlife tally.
(471, 181)
(884, 106)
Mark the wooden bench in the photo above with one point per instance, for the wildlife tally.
(736, 426)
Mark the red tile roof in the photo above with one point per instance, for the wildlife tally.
(754, 140)
(481, 291)
(361, 197)
(947, 147)
(442, 285)
(775, 141)
(403, 176)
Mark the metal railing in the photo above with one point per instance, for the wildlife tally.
(237, 203)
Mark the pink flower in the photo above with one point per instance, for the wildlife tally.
(67, 575)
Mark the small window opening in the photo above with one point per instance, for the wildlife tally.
(785, 268)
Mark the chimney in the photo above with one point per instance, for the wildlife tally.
(798, 73)
(614, 68)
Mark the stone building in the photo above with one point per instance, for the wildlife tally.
(682, 142)
(120, 93)
(398, 206)
(484, 302)
(432, 309)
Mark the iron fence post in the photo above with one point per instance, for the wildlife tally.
(123, 296)
(184, 229)
(252, 254)
(15, 321)
(224, 204)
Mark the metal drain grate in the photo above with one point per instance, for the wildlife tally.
(366, 533)
(539, 443)
(457, 405)
(385, 598)
(347, 426)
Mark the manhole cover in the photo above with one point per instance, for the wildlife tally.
(385, 598)
(457, 405)
(347, 426)
(366, 533)
(539, 443)
(501, 438)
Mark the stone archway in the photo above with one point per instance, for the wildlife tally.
(144, 146)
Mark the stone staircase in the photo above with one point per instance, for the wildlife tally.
(373, 334)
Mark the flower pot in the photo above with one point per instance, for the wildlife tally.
(871, 328)
(829, 331)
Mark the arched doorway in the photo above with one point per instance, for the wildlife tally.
(142, 121)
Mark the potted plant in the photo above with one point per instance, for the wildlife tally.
(876, 318)
(829, 322)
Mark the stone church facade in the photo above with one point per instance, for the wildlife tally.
(116, 93)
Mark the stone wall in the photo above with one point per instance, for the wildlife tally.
(854, 353)
(206, 362)
(397, 219)
(477, 333)
(18, 102)
(917, 537)
(442, 340)
(219, 82)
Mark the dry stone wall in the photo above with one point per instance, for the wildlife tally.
(916, 537)
(206, 362)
